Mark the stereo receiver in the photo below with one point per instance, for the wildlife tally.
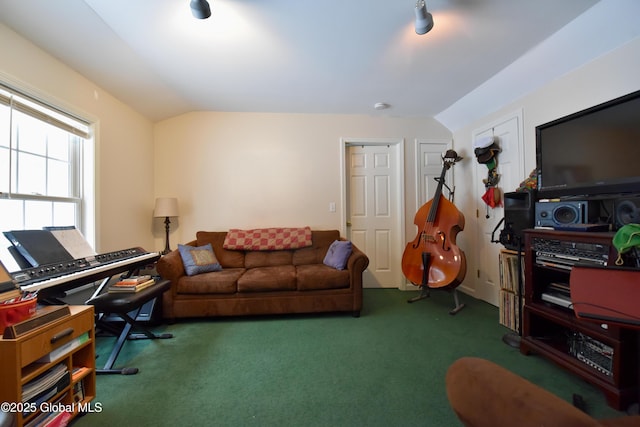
(565, 254)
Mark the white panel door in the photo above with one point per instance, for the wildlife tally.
(372, 212)
(429, 168)
(508, 134)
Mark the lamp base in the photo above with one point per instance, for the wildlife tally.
(167, 249)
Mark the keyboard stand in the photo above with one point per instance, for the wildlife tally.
(126, 306)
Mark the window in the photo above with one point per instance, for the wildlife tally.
(41, 167)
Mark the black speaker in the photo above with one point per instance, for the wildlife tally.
(562, 213)
(518, 214)
(626, 211)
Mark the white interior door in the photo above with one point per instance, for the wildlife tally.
(373, 196)
(508, 133)
(429, 168)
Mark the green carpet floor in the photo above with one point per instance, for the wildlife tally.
(385, 368)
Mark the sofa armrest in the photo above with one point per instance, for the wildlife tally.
(356, 265)
(170, 266)
(357, 262)
(483, 394)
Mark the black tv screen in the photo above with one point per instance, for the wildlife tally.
(592, 152)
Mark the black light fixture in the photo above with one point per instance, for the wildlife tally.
(200, 9)
(424, 20)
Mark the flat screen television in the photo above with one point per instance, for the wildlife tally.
(592, 152)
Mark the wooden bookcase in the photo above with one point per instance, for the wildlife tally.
(553, 331)
(21, 362)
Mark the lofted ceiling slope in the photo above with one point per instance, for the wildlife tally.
(289, 56)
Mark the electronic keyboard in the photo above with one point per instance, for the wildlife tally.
(70, 274)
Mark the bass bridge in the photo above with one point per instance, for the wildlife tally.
(428, 238)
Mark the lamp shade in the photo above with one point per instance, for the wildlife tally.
(424, 20)
(166, 207)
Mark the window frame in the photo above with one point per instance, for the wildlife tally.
(80, 161)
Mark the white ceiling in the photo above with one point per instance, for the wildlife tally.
(292, 56)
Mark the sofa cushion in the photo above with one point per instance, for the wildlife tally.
(219, 282)
(267, 239)
(338, 254)
(255, 259)
(200, 259)
(319, 276)
(228, 259)
(275, 278)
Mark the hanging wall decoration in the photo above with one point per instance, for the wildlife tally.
(486, 150)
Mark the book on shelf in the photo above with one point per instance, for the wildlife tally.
(124, 287)
(65, 348)
(509, 310)
(47, 384)
(134, 280)
(78, 391)
(59, 418)
(52, 391)
(79, 371)
(508, 263)
(52, 419)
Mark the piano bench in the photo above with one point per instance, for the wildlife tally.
(126, 306)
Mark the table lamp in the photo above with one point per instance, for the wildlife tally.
(166, 207)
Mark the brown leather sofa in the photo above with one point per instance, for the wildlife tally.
(274, 282)
(483, 394)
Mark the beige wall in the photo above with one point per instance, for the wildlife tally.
(124, 147)
(257, 170)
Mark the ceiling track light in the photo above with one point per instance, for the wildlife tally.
(200, 9)
(424, 20)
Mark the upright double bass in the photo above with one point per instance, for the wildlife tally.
(432, 259)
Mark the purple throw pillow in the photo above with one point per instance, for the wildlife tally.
(338, 254)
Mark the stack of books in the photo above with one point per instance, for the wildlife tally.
(132, 284)
(46, 385)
